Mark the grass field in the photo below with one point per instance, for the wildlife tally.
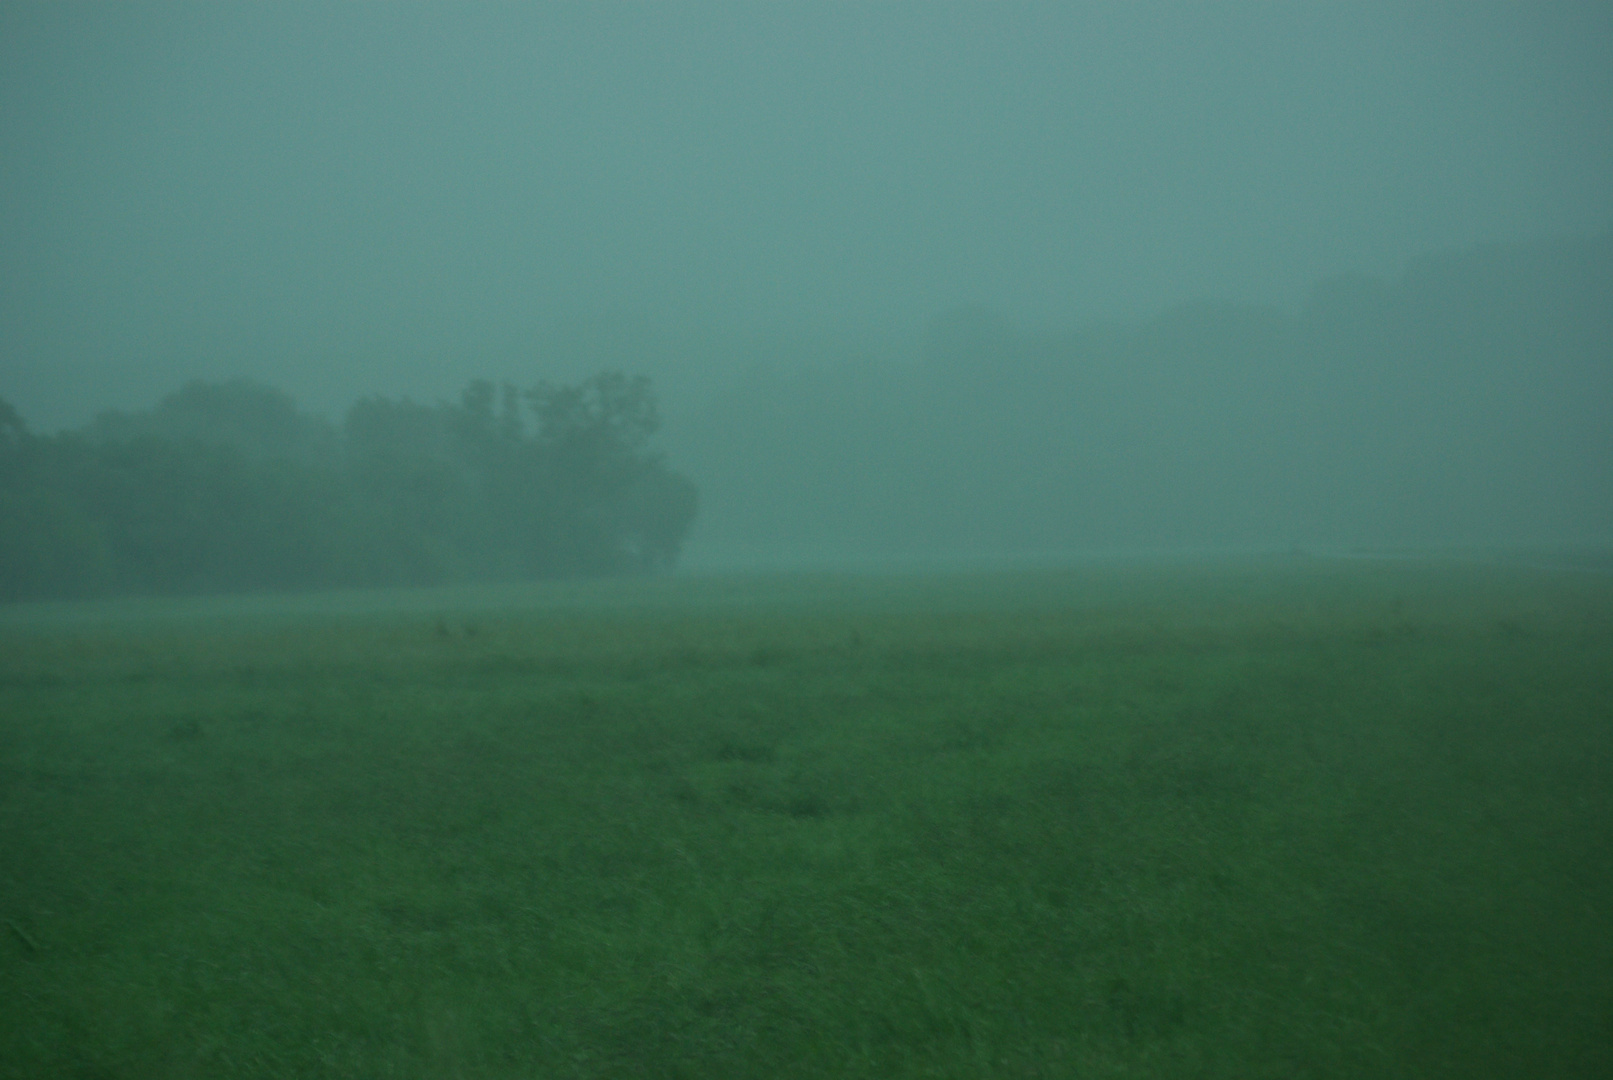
(1292, 818)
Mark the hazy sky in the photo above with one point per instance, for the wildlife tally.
(340, 198)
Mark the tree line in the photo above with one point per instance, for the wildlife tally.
(229, 487)
(1467, 401)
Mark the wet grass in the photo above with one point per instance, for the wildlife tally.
(1251, 820)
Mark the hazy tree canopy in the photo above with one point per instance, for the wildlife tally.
(610, 408)
(229, 486)
(258, 421)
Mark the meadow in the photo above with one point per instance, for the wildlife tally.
(1246, 818)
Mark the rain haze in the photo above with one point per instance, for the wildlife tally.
(909, 280)
(848, 539)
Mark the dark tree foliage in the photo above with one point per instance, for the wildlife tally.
(229, 487)
(259, 421)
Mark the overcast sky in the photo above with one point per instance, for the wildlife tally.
(348, 198)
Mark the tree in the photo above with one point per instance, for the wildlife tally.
(205, 493)
(258, 421)
(608, 410)
(603, 502)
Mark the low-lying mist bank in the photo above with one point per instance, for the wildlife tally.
(1468, 402)
(1466, 406)
(1171, 585)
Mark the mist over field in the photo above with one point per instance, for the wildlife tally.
(1469, 403)
(793, 540)
(916, 281)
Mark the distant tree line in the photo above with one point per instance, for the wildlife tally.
(1467, 401)
(229, 486)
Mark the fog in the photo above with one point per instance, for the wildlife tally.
(910, 280)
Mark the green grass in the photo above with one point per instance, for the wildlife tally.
(1235, 820)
